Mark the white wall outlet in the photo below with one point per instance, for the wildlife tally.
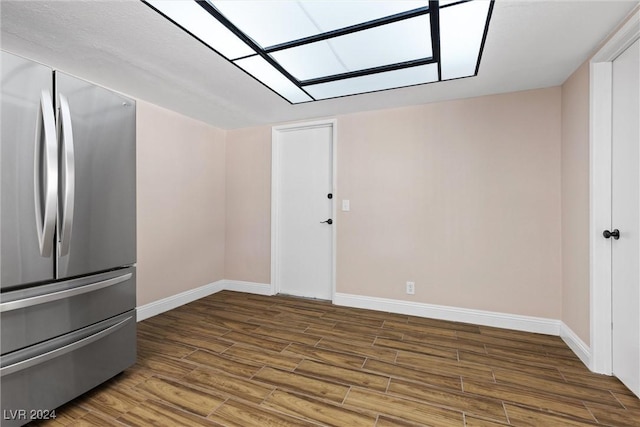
(411, 288)
(346, 206)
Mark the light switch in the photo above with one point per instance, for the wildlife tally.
(345, 206)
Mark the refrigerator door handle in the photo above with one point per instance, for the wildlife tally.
(45, 130)
(41, 299)
(19, 366)
(65, 215)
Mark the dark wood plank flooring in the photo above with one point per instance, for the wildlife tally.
(234, 359)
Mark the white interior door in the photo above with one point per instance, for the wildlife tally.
(625, 216)
(303, 179)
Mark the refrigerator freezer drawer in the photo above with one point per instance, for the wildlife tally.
(37, 314)
(40, 378)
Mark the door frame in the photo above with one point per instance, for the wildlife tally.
(600, 145)
(276, 147)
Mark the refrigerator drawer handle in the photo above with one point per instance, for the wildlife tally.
(62, 350)
(41, 299)
(45, 221)
(65, 216)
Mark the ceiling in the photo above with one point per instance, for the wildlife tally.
(126, 46)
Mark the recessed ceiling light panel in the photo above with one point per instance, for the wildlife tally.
(259, 68)
(359, 50)
(402, 77)
(308, 50)
(461, 37)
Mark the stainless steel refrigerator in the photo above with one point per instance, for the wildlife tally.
(68, 238)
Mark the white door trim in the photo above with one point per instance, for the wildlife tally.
(275, 193)
(600, 191)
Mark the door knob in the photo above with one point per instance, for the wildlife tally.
(615, 234)
(329, 221)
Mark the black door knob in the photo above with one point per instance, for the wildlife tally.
(329, 221)
(615, 234)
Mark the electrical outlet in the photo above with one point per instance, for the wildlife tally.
(411, 288)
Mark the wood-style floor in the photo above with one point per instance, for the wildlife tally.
(235, 359)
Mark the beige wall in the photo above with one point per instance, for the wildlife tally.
(181, 203)
(575, 202)
(461, 197)
(248, 231)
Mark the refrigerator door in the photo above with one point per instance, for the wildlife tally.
(97, 204)
(28, 173)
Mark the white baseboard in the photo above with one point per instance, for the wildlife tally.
(248, 287)
(576, 344)
(479, 317)
(156, 307)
